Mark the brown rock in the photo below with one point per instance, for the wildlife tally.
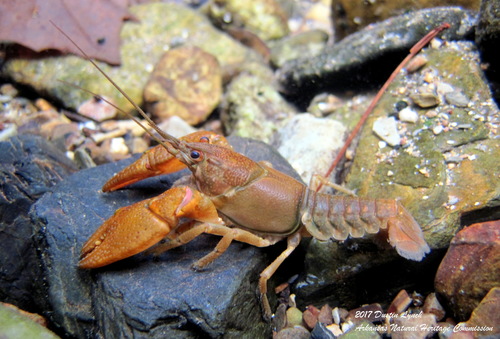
(186, 82)
(470, 268)
(325, 315)
(485, 318)
(432, 305)
(400, 303)
(310, 316)
(98, 109)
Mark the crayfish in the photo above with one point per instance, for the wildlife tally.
(238, 199)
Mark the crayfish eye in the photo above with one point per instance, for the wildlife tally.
(204, 139)
(195, 155)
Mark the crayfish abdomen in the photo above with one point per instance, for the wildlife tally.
(337, 217)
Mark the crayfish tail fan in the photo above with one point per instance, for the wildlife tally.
(406, 235)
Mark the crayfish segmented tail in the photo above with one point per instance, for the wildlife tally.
(337, 217)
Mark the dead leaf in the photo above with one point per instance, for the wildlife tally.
(94, 25)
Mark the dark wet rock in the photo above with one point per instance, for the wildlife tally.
(143, 296)
(29, 167)
(372, 52)
(470, 268)
(321, 332)
(350, 16)
(356, 272)
(488, 29)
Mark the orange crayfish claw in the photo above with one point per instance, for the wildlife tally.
(135, 228)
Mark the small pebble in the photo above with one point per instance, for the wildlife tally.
(8, 130)
(416, 63)
(457, 98)
(118, 146)
(431, 114)
(97, 109)
(310, 316)
(432, 305)
(293, 316)
(400, 303)
(437, 129)
(9, 90)
(325, 315)
(335, 329)
(443, 88)
(387, 130)
(425, 98)
(408, 115)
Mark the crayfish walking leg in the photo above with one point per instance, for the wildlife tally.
(293, 242)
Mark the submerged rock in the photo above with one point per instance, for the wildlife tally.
(186, 82)
(309, 144)
(142, 295)
(433, 173)
(470, 268)
(265, 18)
(350, 16)
(371, 53)
(29, 167)
(253, 108)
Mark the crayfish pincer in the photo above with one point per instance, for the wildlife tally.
(238, 199)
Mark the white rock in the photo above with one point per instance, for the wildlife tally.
(408, 115)
(176, 126)
(387, 130)
(310, 144)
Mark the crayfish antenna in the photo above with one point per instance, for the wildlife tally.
(167, 137)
